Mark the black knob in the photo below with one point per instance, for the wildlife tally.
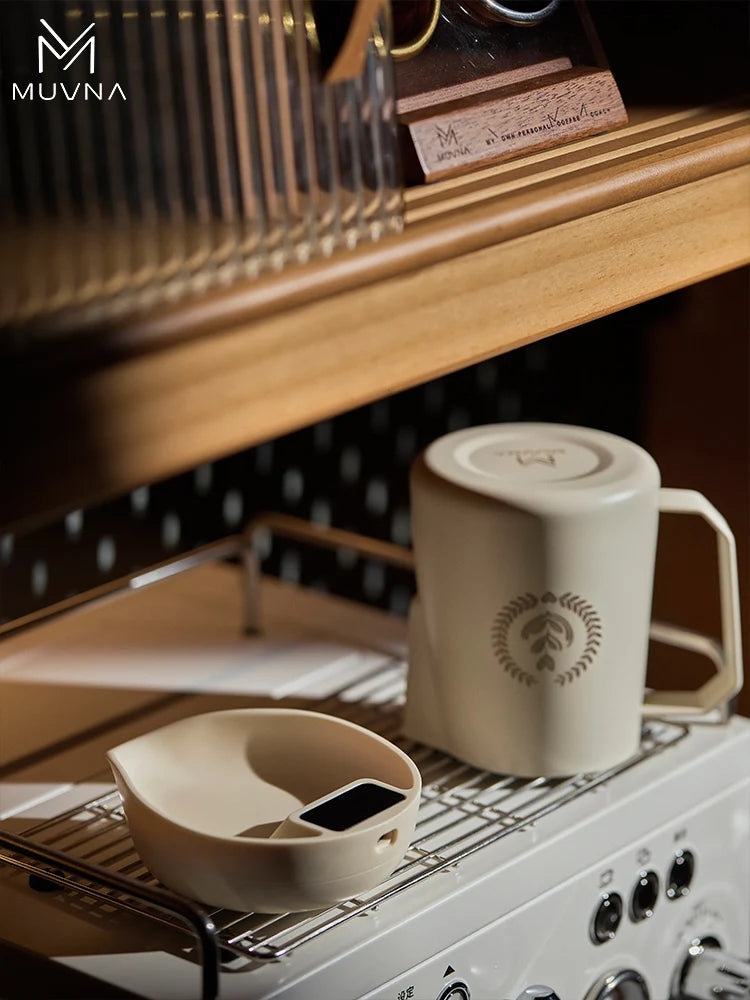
(627, 984)
(607, 917)
(680, 874)
(645, 896)
(455, 991)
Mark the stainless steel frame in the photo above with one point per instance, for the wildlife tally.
(463, 811)
(88, 850)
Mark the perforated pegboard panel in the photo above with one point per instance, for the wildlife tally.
(351, 471)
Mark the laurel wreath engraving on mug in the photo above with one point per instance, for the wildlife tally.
(560, 636)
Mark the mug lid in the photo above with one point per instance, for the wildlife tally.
(512, 460)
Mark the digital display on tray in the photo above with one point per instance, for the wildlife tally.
(352, 806)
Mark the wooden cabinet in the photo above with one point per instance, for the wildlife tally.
(485, 263)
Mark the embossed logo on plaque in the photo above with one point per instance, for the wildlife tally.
(551, 637)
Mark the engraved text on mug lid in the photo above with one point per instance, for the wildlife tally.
(529, 460)
(542, 463)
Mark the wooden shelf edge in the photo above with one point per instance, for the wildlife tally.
(161, 413)
(523, 196)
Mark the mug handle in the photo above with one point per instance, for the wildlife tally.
(727, 656)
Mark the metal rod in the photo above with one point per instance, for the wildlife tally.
(298, 530)
(214, 551)
(161, 899)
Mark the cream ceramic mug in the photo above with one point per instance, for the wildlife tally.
(534, 548)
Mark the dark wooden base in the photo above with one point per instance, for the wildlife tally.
(455, 136)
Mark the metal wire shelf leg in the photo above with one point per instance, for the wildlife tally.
(166, 902)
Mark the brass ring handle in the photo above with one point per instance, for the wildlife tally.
(415, 46)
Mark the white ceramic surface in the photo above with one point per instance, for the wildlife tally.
(535, 548)
(214, 804)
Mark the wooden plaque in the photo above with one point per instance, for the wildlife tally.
(477, 96)
(449, 139)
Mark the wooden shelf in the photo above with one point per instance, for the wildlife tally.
(486, 263)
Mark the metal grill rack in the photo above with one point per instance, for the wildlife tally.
(88, 853)
(463, 810)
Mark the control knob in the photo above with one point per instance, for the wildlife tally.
(455, 991)
(711, 972)
(627, 984)
(538, 993)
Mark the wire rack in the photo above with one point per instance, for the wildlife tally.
(87, 857)
(463, 810)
